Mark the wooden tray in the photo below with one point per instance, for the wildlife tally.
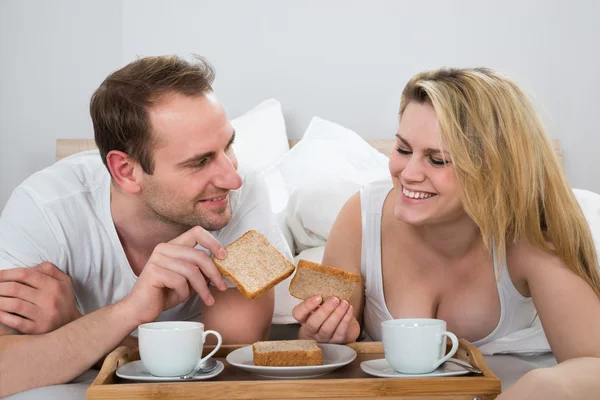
(348, 382)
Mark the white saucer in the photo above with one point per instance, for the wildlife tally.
(334, 357)
(383, 369)
(137, 372)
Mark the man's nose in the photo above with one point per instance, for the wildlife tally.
(226, 176)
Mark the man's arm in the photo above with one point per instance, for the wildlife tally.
(237, 319)
(65, 353)
(172, 272)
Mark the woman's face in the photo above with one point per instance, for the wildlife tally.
(423, 175)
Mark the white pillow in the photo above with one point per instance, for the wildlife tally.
(261, 140)
(590, 205)
(330, 152)
(260, 135)
(278, 196)
(314, 254)
(327, 165)
(312, 210)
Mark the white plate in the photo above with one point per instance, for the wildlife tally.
(334, 357)
(137, 372)
(383, 369)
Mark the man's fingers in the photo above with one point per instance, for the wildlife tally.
(21, 307)
(16, 322)
(198, 235)
(52, 271)
(302, 311)
(196, 257)
(29, 276)
(164, 278)
(19, 291)
(189, 272)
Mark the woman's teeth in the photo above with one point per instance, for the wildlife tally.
(416, 195)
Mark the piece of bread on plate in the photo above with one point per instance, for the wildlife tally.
(317, 279)
(254, 265)
(287, 353)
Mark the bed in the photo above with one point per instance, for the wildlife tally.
(325, 167)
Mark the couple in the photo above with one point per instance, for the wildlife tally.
(479, 222)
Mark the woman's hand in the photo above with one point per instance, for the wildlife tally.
(332, 322)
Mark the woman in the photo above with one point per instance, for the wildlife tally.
(477, 227)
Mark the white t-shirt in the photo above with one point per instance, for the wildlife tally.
(62, 215)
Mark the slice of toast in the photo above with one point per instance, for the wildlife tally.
(254, 265)
(317, 279)
(287, 353)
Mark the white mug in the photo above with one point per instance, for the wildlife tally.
(173, 348)
(416, 345)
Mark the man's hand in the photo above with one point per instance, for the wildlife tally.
(173, 271)
(36, 300)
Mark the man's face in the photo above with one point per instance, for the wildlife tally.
(194, 165)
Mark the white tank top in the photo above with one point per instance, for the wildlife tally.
(516, 311)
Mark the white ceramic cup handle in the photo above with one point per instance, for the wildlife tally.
(452, 351)
(218, 345)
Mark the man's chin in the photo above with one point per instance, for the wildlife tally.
(217, 221)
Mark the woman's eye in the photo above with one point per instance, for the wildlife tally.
(403, 151)
(437, 161)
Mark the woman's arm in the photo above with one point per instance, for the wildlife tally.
(334, 321)
(574, 379)
(570, 314)
(344, 247)
(568, 307)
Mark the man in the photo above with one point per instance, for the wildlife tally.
(101, 242)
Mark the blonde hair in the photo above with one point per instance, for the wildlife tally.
(512, 184)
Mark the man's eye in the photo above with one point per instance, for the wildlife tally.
(201, 163)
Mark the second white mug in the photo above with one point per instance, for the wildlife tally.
(416, 345)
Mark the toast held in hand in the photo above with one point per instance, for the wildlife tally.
(254, 265)
(317, 279)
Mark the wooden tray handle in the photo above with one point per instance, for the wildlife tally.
(118, 357)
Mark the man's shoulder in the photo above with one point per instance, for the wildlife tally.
(80, 174)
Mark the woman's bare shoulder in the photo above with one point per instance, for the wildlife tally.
(526, 260)
(523, 252)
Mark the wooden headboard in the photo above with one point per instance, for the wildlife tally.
(66, 147)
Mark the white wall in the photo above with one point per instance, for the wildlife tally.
(53, 54)
(343, 60)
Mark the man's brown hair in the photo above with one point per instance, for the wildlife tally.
(119, 107)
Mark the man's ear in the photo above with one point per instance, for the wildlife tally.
(125, 171)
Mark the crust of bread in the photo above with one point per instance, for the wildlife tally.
(247, 294)
(327, 270)
(287, 358)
